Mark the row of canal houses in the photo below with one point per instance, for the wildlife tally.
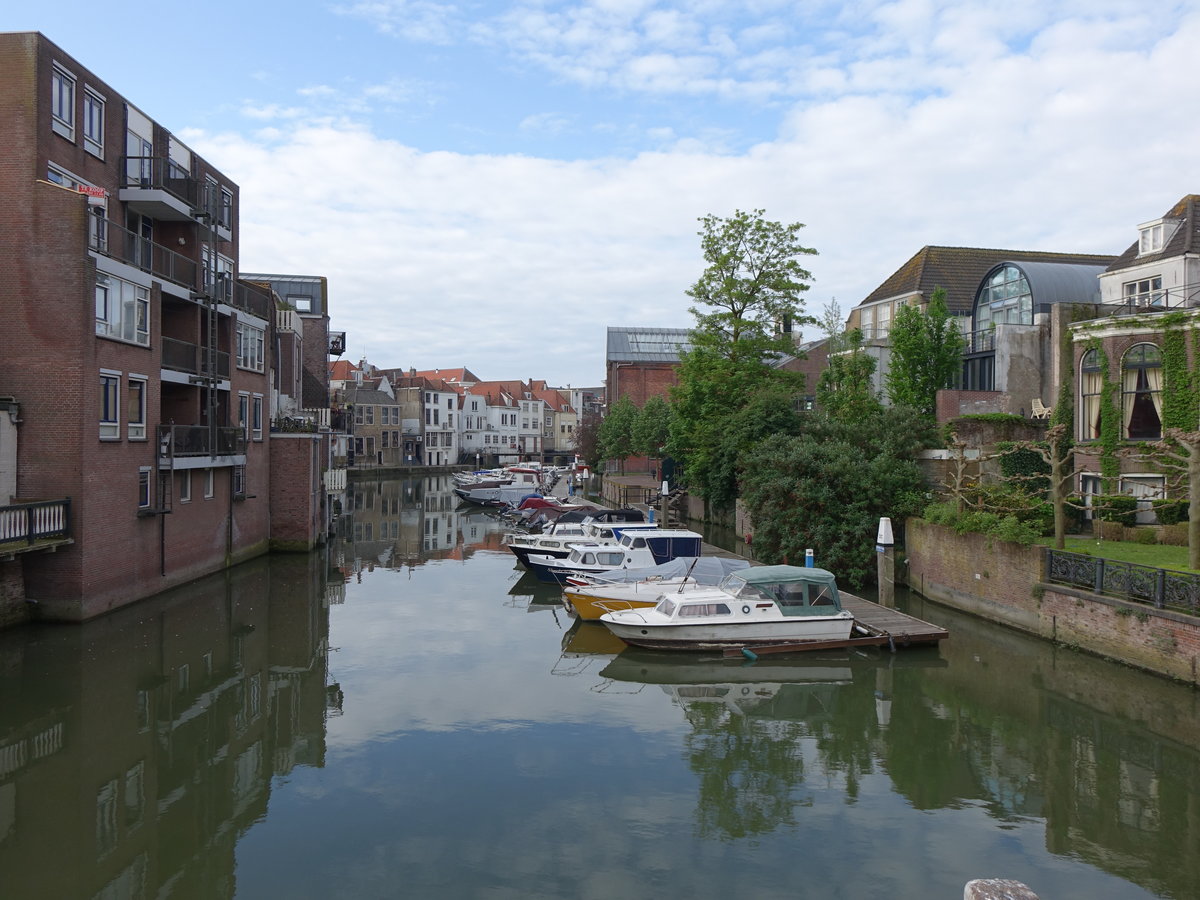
(440, 417)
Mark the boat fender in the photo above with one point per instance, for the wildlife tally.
(746, 609)
(749, 654)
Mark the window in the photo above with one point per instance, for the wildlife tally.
(1090, 385)
(135, 408)
(244, 414)
(1005, 298)
(110, 406)
(370, 415)
(385, 440)
(239, 481)
(144, 487)
(185, 486)
(1150, 238)
(93, 122)
(256, 416)
(249, 347)
(1146, 292)
(208, 484)
(226, 208)
(301, 302)
(122, 310)
(1141, 387)
(62, 102)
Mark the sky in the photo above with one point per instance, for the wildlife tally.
(492, 185)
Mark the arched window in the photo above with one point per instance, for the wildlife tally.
(1141, 389)
(1091, 382)
(1004, 298)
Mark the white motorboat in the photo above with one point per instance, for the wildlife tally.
(753, 607)
(635, 548)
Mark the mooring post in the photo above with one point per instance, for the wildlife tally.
(662, 499)
(885, 563)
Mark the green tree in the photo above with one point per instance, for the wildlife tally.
(750, 287)
(827, 488)
(844, 390)
(587, 439)
(616, 431)
(926, 355)
(652, 429)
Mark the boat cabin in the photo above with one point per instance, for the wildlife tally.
(796, 591)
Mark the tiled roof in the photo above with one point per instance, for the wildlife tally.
(959, 270)
(1185, 238)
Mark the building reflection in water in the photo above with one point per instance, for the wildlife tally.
(137, 748)
(402, 523)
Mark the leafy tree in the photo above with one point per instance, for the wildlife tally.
(827, 488)
(1178, 455)
(832, 323)
(616, 431)
(844, 390)
(753, 281)
(926, 354)
(652, 429)
(751, 285)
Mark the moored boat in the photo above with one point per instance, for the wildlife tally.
(753, 607)
(590, 596)
(634, 549)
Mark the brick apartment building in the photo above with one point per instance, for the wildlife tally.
(140, 362)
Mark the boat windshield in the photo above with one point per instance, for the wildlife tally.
(743, 591)
(666, 607)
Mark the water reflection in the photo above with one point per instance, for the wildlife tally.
(214, 744)
(135, 750)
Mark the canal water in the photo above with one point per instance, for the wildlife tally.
(406, 713)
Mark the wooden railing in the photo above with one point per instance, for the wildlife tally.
(28, 523)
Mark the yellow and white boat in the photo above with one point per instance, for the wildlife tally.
(590, 597)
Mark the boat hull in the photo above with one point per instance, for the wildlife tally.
(590, 602)
(709, 636)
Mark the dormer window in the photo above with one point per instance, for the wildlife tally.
(1151, 239)
(1153, 236)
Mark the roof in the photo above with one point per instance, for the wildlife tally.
(342, 370)
(960, 269)
(1185, 239)
(1051, 283)
(647, 344)
(776, 574)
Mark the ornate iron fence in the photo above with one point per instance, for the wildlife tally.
(1162, 588)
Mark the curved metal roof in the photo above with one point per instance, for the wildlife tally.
(647, 344)
(1054, 282)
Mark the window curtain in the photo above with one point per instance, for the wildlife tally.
(1089, 423)
(1129, 389)
(1154, 382)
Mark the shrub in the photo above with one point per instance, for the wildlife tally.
(1119, 508)
(1170, 512)
(1145, 536)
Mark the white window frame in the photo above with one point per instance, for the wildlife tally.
(62, 102)
(122, 310)
(256, 416)
(185, 486)
(144, 487)
(136, 428)
(251, 343)
(1143, 292)
(110, 419)
(244, 413)
(226, 207)
(238, 481)
(93, 121)
(208, 484)
(1150, 238)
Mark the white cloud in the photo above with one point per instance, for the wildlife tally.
(514, 265)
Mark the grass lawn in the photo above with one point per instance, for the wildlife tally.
(1161, 556)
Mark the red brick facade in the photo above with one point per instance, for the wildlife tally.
(640, 381)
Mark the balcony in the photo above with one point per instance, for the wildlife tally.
(123, 245)
(981, 341)
(199, 446)
(252, 299)
(180, 356)
(34, 526)
(159, 188)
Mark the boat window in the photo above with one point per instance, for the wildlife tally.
(589, 558)
(666, 607)
(611, 559)
(824, 597)
(696, 610)
(639, 542)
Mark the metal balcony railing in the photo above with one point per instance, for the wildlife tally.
(180, 356)
(251, 299)
(120, 243)
(161, 174)
(198, 440)
(981, 341)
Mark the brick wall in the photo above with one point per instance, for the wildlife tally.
(13, 608)
(640, 381)
(297, 493)
(1001, 581)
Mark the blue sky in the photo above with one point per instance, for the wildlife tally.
(492, 184)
